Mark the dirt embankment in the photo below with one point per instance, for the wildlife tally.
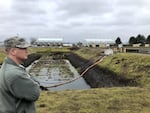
(97, 76)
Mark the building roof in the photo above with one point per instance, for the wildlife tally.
(50, 40)
(100, 40)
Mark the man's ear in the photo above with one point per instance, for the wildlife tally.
(13, 51)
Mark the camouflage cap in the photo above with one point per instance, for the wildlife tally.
(16, 42)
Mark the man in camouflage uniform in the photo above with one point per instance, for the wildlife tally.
(18, 92)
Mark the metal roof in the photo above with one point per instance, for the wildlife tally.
(50, 40)
(99, 40)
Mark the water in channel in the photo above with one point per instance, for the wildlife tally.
(53, 72)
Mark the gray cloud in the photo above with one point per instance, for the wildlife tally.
(75, 20)
(89, 7)
(27, 7)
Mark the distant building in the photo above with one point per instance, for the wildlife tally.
(49, 42)
(147, 45)
(1, 44)
(99, 42)
(108, 52)
(67, 45)
(136, 45)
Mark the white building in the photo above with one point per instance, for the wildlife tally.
(99, 42)
(67, 45)
(49, 42)
(108, 52)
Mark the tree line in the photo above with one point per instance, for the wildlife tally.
(135, 40)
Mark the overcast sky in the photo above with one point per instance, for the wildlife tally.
(74, 20)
